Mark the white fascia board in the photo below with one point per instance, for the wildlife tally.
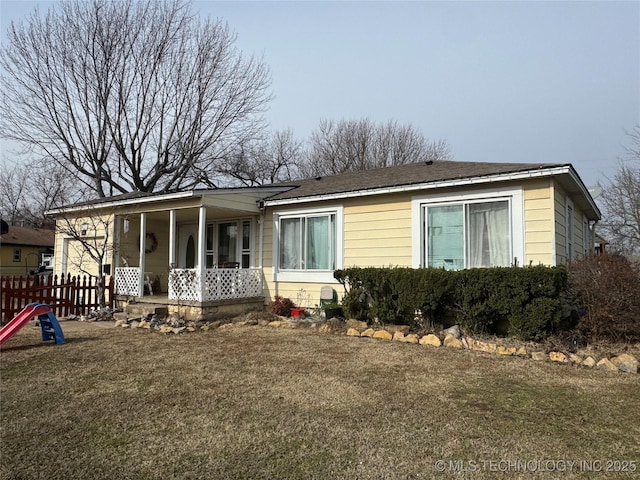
(585, 192)
(258, 192)
(502, 177)
(120, 203)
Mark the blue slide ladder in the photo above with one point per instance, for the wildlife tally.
(51, 328)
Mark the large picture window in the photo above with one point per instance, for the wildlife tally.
(468, 235)
(308, 242)
(471, 230)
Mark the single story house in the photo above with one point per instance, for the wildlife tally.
(24, 250)
(207, 248)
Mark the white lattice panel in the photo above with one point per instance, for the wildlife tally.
(127, 280)
(218, 284)
(184, 284)
(228, 283)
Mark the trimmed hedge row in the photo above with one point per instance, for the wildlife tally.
(526, 302)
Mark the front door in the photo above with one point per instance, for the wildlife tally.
(187, 245)
(227, 242)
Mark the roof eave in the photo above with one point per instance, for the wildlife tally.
(457, 182)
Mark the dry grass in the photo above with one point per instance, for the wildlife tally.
(258, 402)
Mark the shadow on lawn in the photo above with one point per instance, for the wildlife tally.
(48, 343)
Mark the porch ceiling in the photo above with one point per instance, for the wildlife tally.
(190, 215)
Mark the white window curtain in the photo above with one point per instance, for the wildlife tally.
(488, 234)
(290, 257)
(308, 243)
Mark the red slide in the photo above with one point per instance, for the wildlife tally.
(20, 320)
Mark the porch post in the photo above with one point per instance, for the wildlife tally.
(143, 238)
(172, 238)
(202, 229)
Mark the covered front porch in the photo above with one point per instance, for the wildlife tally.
(196, 248)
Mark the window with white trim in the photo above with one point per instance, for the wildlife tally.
(481, 229)
(309, 243)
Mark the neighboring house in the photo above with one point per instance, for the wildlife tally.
(288, 237)
(24, 250)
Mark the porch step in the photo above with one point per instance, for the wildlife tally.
(144, 309)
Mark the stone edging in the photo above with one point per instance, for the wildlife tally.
(400, 333)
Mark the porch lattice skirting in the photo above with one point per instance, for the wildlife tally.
(127, 279)
(188, 285)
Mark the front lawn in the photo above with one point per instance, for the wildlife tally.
(258, 402)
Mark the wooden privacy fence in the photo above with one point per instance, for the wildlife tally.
(66, 295)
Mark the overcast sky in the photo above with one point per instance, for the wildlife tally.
(501, 81)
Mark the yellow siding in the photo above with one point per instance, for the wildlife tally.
(538, 220)
(560, 224)
(77, 259)
(29, 259)
(377, 231)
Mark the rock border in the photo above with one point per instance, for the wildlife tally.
(449, 338)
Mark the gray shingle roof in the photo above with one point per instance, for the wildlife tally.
(37, 237)
(402, 175)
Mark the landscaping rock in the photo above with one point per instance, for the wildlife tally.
(144, 324)
(135, 324)
(481, 346)
(275, 323)
(382, 335)
(368, 332)
(455, 331)
(577, 359)
(606, 364)
(263, 323)
(177, 330)
(626, 363)
(352, 332)
(452, 342)
(411, 338)
(357, 324)
(522, 352)
(588, 362)
(120, 322)
(538, 356)
(166, 329)
(324, 328)
(501, 350)
(558, 357)
(397, 328)
(430, 339)
(398, 337)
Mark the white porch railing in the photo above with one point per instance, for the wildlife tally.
(217, 284)
(127, 280)
(186, 284)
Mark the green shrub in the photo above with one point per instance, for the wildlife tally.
(524, 302)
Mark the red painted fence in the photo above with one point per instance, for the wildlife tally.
(66, 295)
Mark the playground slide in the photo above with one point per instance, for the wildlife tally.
(50, 327)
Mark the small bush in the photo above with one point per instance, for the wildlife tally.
(281, 306)
(607, 287)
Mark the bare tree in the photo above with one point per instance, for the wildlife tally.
(89, 236)
(265, 161)
(621, 201)
(13, 184)
(130, 95)
(28, 191)
(352, 145)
